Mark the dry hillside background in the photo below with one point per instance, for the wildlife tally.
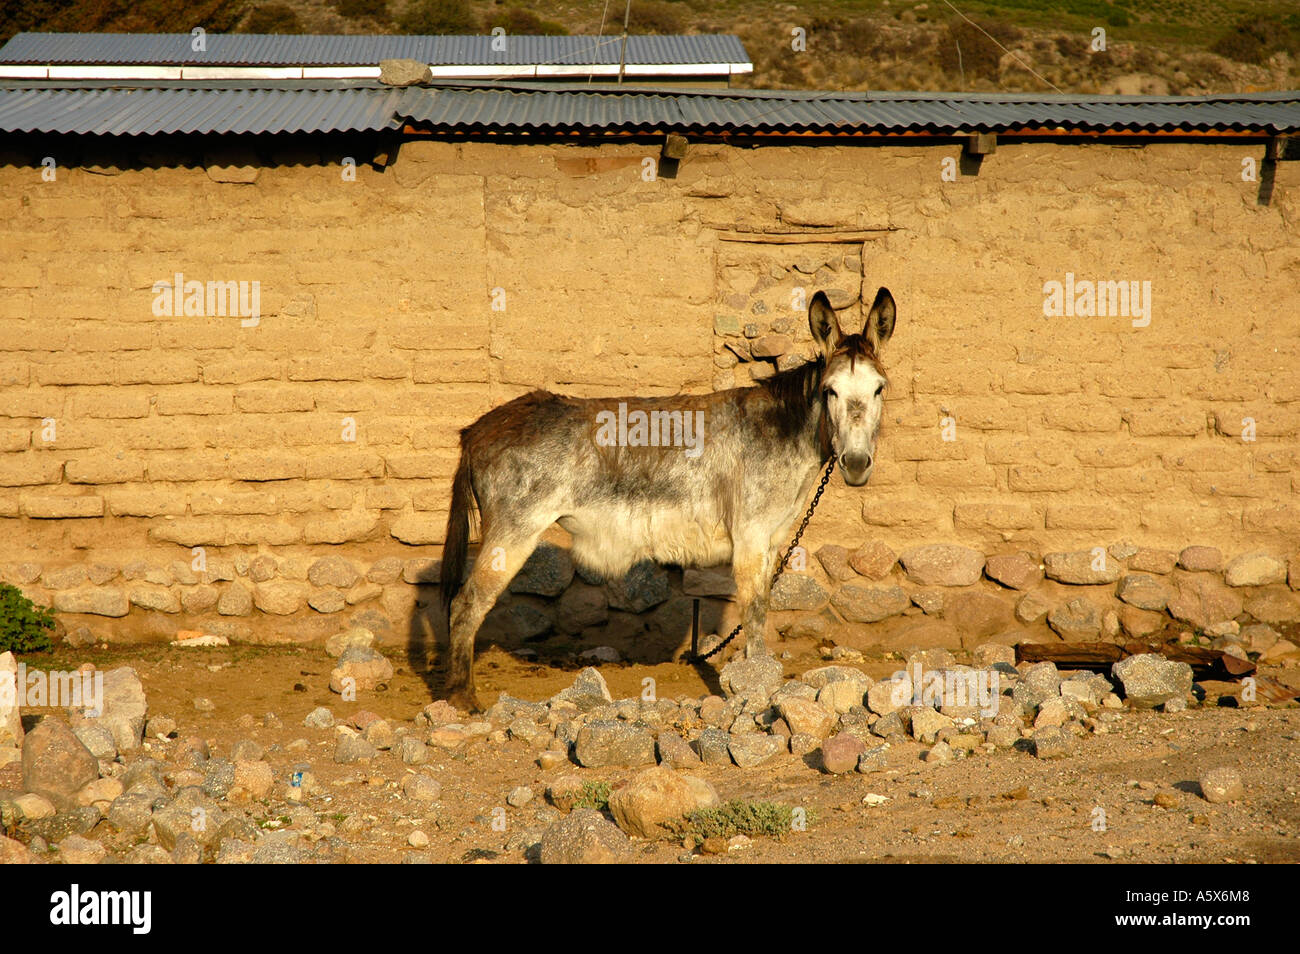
(1179, 47)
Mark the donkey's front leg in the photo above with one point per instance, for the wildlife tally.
(753, 573)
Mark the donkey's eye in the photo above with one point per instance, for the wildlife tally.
(830, 393)
(880, 390)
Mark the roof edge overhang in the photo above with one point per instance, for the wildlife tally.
(601, 111)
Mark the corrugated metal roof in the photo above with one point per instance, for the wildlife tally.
(535, 109)
(247, 49)
(233, 107)
(145, 112)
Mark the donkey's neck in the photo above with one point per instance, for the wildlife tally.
(795, 413)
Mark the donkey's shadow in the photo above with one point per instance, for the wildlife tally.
(668, 628)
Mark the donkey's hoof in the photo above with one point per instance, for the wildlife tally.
(464, 699)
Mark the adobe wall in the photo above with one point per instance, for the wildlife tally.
(309, 457)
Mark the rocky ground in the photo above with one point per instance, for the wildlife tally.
(251, 754)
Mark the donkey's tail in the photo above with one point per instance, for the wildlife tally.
(456, 546)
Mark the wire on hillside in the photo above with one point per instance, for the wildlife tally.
(1027, 67)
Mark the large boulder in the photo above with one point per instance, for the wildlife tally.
(339, 643)
(122, 709)
(404, 72)
(603, 743)
(1204, 559)
(55, 762)
(835, 561)
(584, 837)
(1150, 679)
(656, 797)
(333, 571)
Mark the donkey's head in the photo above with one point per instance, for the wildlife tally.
(853, 383)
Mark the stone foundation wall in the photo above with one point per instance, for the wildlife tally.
(281, 481)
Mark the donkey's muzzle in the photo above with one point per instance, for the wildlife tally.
(856, 468)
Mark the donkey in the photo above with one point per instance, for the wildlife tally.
(694, 480)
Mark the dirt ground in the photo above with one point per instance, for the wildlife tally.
(1001, 807)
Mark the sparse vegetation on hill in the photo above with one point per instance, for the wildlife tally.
(437, 16)
(1087, 46)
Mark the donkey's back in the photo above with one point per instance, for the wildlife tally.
(628, 478)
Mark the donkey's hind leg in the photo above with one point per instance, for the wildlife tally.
(499, 559)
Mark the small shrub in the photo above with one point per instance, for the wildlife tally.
(654, 16)
(363, 9)
(24, 626)
(520, 22)
(433, 17)
(1072, 47)
(737, 817)
(1253, 41)
(973, 48)
(273, 18)
(594, 795)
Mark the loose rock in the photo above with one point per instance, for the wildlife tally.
(840, 753)
(1219, 785)
(607, 743)
(657, 796)
(584, 837)
(1150, 679)
(755, 748)
(754, 678)
(55, 761)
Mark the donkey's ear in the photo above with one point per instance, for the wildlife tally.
(823, 324)
(880, 319)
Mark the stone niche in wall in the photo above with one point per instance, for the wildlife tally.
(760, 325)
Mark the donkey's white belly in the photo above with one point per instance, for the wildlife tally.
(609, 539)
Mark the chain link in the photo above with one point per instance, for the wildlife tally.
(830, 467)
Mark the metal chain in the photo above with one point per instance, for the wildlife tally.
(830, 467)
